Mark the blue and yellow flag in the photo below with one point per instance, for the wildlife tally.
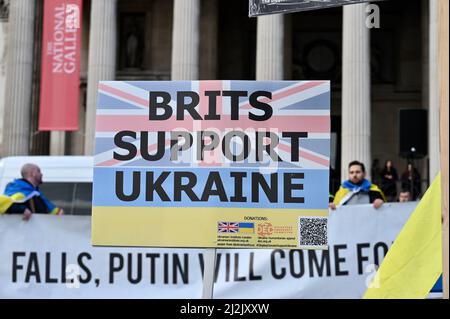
(414, 263)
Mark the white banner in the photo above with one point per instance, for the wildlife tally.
(52, 257)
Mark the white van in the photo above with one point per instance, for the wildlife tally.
(67, 179)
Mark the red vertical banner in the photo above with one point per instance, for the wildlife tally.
(60, 67)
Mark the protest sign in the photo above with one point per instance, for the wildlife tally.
(212, 164)
(264, 7)
(51, 257)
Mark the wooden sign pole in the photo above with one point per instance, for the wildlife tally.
(443, 66)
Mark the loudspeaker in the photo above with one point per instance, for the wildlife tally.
(413, 133)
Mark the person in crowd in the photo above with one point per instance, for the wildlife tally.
(22, 196)
(389, 178)
(357, 189)
(410, 179)
(404, 196)
(375, 171)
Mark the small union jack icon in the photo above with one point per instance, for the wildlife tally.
(227, 227)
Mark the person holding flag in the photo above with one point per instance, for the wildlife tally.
(22, 196)
(357, 189)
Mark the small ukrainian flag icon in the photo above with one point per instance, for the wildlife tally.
(248, 228)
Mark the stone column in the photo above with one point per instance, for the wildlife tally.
(356, 144)
(269, 47)
(433, 91)
(288, 47)
(4, 10)
(185, 40)
(57, 142)
(101, 61)
(19, 73)
(76, 138)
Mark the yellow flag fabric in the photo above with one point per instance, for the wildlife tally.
(414, 262)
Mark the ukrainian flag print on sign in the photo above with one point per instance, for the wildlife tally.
(248, 228)
(175, 161)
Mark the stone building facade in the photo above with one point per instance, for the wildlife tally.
(375, 72)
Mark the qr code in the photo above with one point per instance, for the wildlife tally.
(313, 231)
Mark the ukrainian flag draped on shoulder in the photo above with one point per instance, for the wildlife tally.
(414, 263)
(20, 191)
(348, 187)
